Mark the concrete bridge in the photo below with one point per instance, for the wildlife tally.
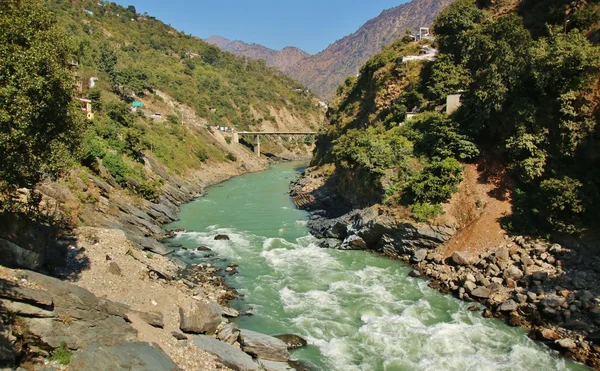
(257, 134)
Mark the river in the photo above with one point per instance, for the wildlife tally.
(358, 310)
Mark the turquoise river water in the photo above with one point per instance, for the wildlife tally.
(358, 310)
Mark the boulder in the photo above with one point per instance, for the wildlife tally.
(469, 286)
(264, 346)
(353, 243)
(566, 343)
(481, 292)
(222, 237)
(126, 356)
(512, 273)
(200, 317)
(229, 333)
(80, 317)
(292, 341)
(461, 258)
(230, 312)
(552, 301)
(502, 256)
(229, 355)
(420, 255)
(23, 243)
(275, 366)
(36, 297)
(508, 306)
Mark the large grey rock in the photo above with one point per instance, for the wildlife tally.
(552, 301)
(229, 355)
(199, 317)
(461, 258)
(22, 242)
(229, 333)
(24, 309)
(12, 291)
(264, 346)
(275, 366)
(512, 273)
(502, 256)
(420, 255)
(292, 341)
(126, 356)
(566, 343)
(481, 292)
(508, 306)
(80, 317)
(353, 243)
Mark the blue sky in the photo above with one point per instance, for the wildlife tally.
(310, 25)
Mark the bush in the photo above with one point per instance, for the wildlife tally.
(231, 157)
(437, 182)
(423, 212)
(62, 354)
(202, 155)
(436, 135)
(116, 167)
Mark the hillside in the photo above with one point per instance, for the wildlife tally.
(160, 108)
(508, 70)
(323, 72)
(282, 59)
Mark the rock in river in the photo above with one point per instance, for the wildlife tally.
(200, 317)
(222, 237)
(264, 346)
(292, 341)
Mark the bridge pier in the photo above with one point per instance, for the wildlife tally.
(257, 146)
(235, 137)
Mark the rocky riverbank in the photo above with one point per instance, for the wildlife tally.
(113, 295)
(549, 289)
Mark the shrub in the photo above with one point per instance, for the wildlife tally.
(62, 354)
(437, 182)
(231, 157)
(202, 155)
(423, 212)
(116, 167)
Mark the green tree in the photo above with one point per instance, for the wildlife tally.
(39, 123)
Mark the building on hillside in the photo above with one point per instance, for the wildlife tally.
(427, 53)
(452, 102)
(86, 106)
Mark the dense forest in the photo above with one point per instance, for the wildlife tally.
(529, 75)
(54, 53)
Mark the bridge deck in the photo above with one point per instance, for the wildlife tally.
(275, 133)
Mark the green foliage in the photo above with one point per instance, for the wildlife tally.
(116, 167)
(373, 150)
(437, 135)
(447, 77)
(423, 212)
(436, 183)
(202, 155)
(561, 203)
(61, 354)
(453, 23)
(231, 157)
(39, 124)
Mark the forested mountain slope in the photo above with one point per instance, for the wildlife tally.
(529, 76)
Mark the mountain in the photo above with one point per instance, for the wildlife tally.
(282, 60)
(323, 72)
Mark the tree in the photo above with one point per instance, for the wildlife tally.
(39, 122)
